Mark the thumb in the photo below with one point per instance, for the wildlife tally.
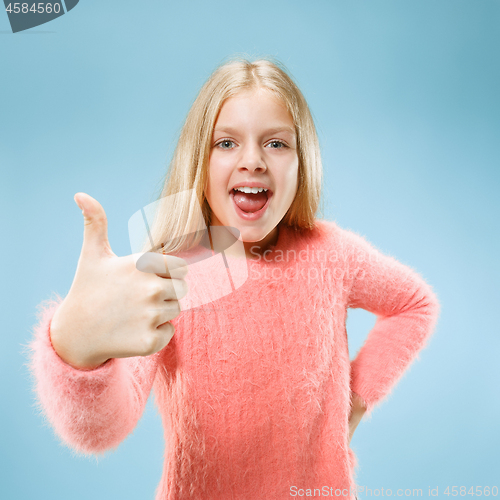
(95, 232)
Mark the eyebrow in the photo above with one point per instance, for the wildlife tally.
(275, 130)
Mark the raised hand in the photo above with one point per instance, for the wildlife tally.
(113, 309)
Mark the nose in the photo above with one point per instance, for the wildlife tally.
(252, 159)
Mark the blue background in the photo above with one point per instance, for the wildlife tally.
(406, 100)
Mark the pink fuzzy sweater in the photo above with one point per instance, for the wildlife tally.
(254, 388)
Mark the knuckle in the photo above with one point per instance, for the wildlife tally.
(181, 272)
(181, 288)
(145, 263)
(149, 343)
(171, 311)
(156, 317)
(177, 267)
(174, 308)
(170, 292)
(156, 291)
(164, 332)
(171, 331)
(168, 332)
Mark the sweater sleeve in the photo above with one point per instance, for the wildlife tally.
(90, 410)
(406, 308)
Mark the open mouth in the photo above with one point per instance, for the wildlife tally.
(250, 206)
(250, 202)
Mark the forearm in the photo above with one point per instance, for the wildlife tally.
(390, 348)
(93, 410)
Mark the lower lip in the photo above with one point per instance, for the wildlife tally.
(250, 215)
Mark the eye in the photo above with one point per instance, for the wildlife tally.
(277, 145)
(225, 144)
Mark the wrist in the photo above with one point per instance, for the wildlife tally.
(64, 353)
(358, 404)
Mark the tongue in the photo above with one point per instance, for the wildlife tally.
(249, 202)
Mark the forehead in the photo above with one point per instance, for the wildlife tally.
(256, 107)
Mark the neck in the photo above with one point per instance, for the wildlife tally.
(255, 249)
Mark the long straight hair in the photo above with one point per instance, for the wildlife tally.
(178, 222)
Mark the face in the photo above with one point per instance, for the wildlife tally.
(253, 145)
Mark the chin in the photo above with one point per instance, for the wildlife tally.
(254, 236)
(249, 239)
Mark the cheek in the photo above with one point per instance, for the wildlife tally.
(212, 181)
(216, 189)
(217, 175)
(292, 180)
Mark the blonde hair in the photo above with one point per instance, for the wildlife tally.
(177, 223)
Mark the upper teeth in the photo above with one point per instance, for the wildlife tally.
(253, 190)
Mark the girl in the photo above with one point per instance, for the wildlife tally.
(257, 394)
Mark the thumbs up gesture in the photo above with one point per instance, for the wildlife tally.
(113, 309)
